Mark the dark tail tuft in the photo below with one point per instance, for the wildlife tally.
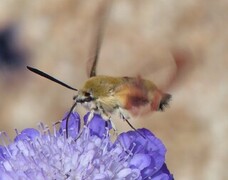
(165, 101)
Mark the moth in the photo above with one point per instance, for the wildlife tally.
(106, 95)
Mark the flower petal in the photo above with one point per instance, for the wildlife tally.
(40, 155)
(148, 153)
(27, 134)
(123, 173)
(163, 173)
(140, 161)
(98, 126)
(73, 124)
(3, 153)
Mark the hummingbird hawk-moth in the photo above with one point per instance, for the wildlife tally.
(106, 94)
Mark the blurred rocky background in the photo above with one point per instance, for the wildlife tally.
(140, 37)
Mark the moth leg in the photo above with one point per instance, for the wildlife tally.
(113, 127)
(90, 117)
(107, 116)
(123, 114)
(126, 118)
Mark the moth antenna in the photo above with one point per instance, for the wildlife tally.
(99, 38)
(45, 75)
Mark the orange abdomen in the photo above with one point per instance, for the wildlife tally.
(131, 97)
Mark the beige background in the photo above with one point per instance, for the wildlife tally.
(139, 38)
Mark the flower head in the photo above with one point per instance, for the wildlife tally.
(40, 154)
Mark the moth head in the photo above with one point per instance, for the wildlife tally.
(83, 97)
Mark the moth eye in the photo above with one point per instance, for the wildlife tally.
(110, 90)
(87, 94)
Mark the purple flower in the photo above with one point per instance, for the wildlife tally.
(40, 154)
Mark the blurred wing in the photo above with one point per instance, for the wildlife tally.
(92, 63)
(168, 71)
